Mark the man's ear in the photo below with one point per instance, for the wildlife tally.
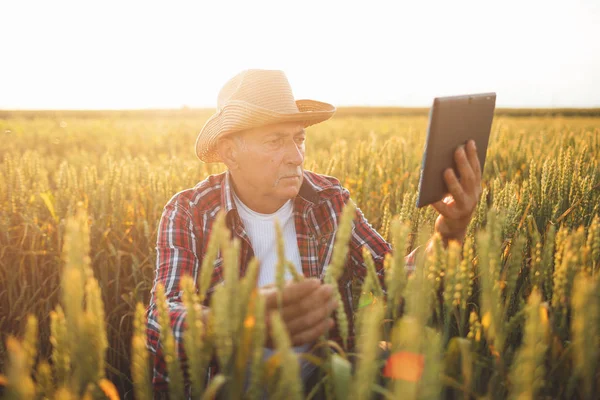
(228, 151)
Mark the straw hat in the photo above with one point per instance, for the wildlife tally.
(256, 98)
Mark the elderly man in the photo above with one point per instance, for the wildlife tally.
(259, 133)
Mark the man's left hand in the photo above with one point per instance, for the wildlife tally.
(457, 208)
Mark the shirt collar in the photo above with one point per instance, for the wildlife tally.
(227, 194)
(309, 191)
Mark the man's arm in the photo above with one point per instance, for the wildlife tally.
(176, 257)
(456, 211)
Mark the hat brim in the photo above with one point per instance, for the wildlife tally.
(239, 116)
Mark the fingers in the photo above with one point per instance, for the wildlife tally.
(315, 300)
(299, 299)
(307, 327)
(306, 311)
(474, 159)
(468, 166)
(444, 209)
(467, 176)
(292, 292)
(313, 333)
(454, 186)
(312, 318)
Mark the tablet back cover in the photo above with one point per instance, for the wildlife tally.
(453, 121)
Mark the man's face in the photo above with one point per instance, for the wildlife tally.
(270, 160)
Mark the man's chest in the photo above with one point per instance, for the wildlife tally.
(313, 233)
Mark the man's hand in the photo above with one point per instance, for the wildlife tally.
(457, 209)
(306, 309)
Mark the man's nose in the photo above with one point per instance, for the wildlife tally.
(294, 153)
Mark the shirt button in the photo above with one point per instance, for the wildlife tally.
(323, 240)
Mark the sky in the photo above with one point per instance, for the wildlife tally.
(132, 55)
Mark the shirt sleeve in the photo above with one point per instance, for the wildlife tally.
(364, 235)
(176, 257)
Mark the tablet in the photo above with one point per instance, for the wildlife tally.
(453, 121)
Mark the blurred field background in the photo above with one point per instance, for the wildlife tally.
(125, 165)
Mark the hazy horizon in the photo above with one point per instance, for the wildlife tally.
(67, 55)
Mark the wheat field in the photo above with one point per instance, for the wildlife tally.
(514, 313)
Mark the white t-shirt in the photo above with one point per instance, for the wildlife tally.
(261, 231)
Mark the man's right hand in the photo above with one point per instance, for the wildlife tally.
(305, 309)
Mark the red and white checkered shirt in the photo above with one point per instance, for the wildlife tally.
(183, 236)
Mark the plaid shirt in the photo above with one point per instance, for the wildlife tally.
(184, 232)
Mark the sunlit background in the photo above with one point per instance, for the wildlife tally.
(169, 54)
